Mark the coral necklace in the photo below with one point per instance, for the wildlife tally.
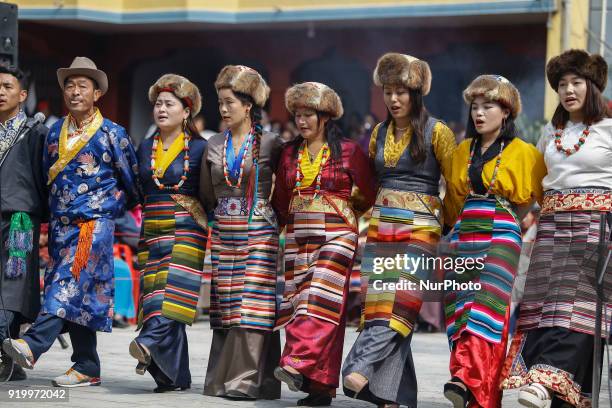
(299, 175)
(493, 178)
(248, 141)
(176, 187)
(577, 146)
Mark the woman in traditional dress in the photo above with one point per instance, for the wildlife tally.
(312, 196)
(411, 151)
(494, 179)
(551, 355)
(237, 181)
(173, 237)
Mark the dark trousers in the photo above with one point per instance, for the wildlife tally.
(9, 325)
(43, 333)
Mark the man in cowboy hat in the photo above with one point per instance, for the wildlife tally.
(22, 208)
(90, 166)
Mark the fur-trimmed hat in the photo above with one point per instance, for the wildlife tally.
(580, 62)
(240, 78)
(495, 88)
(401, 69)
(181, 87)
(314, 95)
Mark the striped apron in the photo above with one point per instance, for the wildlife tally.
(244, 258)
(409, 218)
(171, 257)
(486, 228)
(320, 246)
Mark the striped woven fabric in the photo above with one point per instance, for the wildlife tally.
(485, 228)
(170, 256)
(319, 251)
(244, 258)
(560, 290)
(397, 309)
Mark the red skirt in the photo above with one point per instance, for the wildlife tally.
(478, 364)
(314, 348)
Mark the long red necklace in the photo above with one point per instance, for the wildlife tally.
(495, 170)
(228, 134)
(154, 170)
(576, 147)
(299, 175)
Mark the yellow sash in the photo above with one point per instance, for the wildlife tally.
(67, 153)
(163, 160)
(310, 170)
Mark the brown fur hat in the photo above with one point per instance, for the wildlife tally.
(314, 95)
(592, 67)
(496, 88)
(181, 87)
(240, 78)
(401, 69)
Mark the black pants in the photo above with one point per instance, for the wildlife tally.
(9, 325)
(44, 332)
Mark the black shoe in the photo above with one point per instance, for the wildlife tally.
(168, 388)
(457, 394)
(6, 368)
(238, 396)
(315, 400)
(19, 374)
(293, 381)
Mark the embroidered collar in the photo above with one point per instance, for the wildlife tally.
(13, 123)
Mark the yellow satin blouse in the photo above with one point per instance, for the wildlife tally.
(519, 178)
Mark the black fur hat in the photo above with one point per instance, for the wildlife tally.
(579, 62)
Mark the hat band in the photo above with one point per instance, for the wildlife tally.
(186, 99)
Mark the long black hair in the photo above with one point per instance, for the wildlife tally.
(418, 117)
(507, 131)
(594, 108)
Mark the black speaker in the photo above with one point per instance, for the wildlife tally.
(8, 34)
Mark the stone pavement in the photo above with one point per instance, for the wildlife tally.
(121, 387)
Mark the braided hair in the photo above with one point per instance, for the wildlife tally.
(255, 116)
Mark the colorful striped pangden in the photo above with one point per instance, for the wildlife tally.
(171, 257)
(415, 225)
(319, 252)
(244, 256)
(486, 229)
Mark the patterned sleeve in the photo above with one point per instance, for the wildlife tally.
(444, 145)
(126, 165)
(372, 146)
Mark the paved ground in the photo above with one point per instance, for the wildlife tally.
(123, 388)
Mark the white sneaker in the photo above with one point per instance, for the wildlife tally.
(20, 352)
(72, 378)
(535, 395)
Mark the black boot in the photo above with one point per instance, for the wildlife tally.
(315, 400)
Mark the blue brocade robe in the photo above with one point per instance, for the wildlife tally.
(97, 184)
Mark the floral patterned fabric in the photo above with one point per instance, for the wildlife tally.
(98, 184)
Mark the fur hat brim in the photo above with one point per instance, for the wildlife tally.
(245, 80)
(580, 62)
(316, 96)
(401, 69)
(181, 87)
(495, 88)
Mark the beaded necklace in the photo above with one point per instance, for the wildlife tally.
(228, 134)
(155, 170)
(577, 146)
(299, 176)
(495, 170)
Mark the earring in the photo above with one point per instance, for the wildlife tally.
(184, 124)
